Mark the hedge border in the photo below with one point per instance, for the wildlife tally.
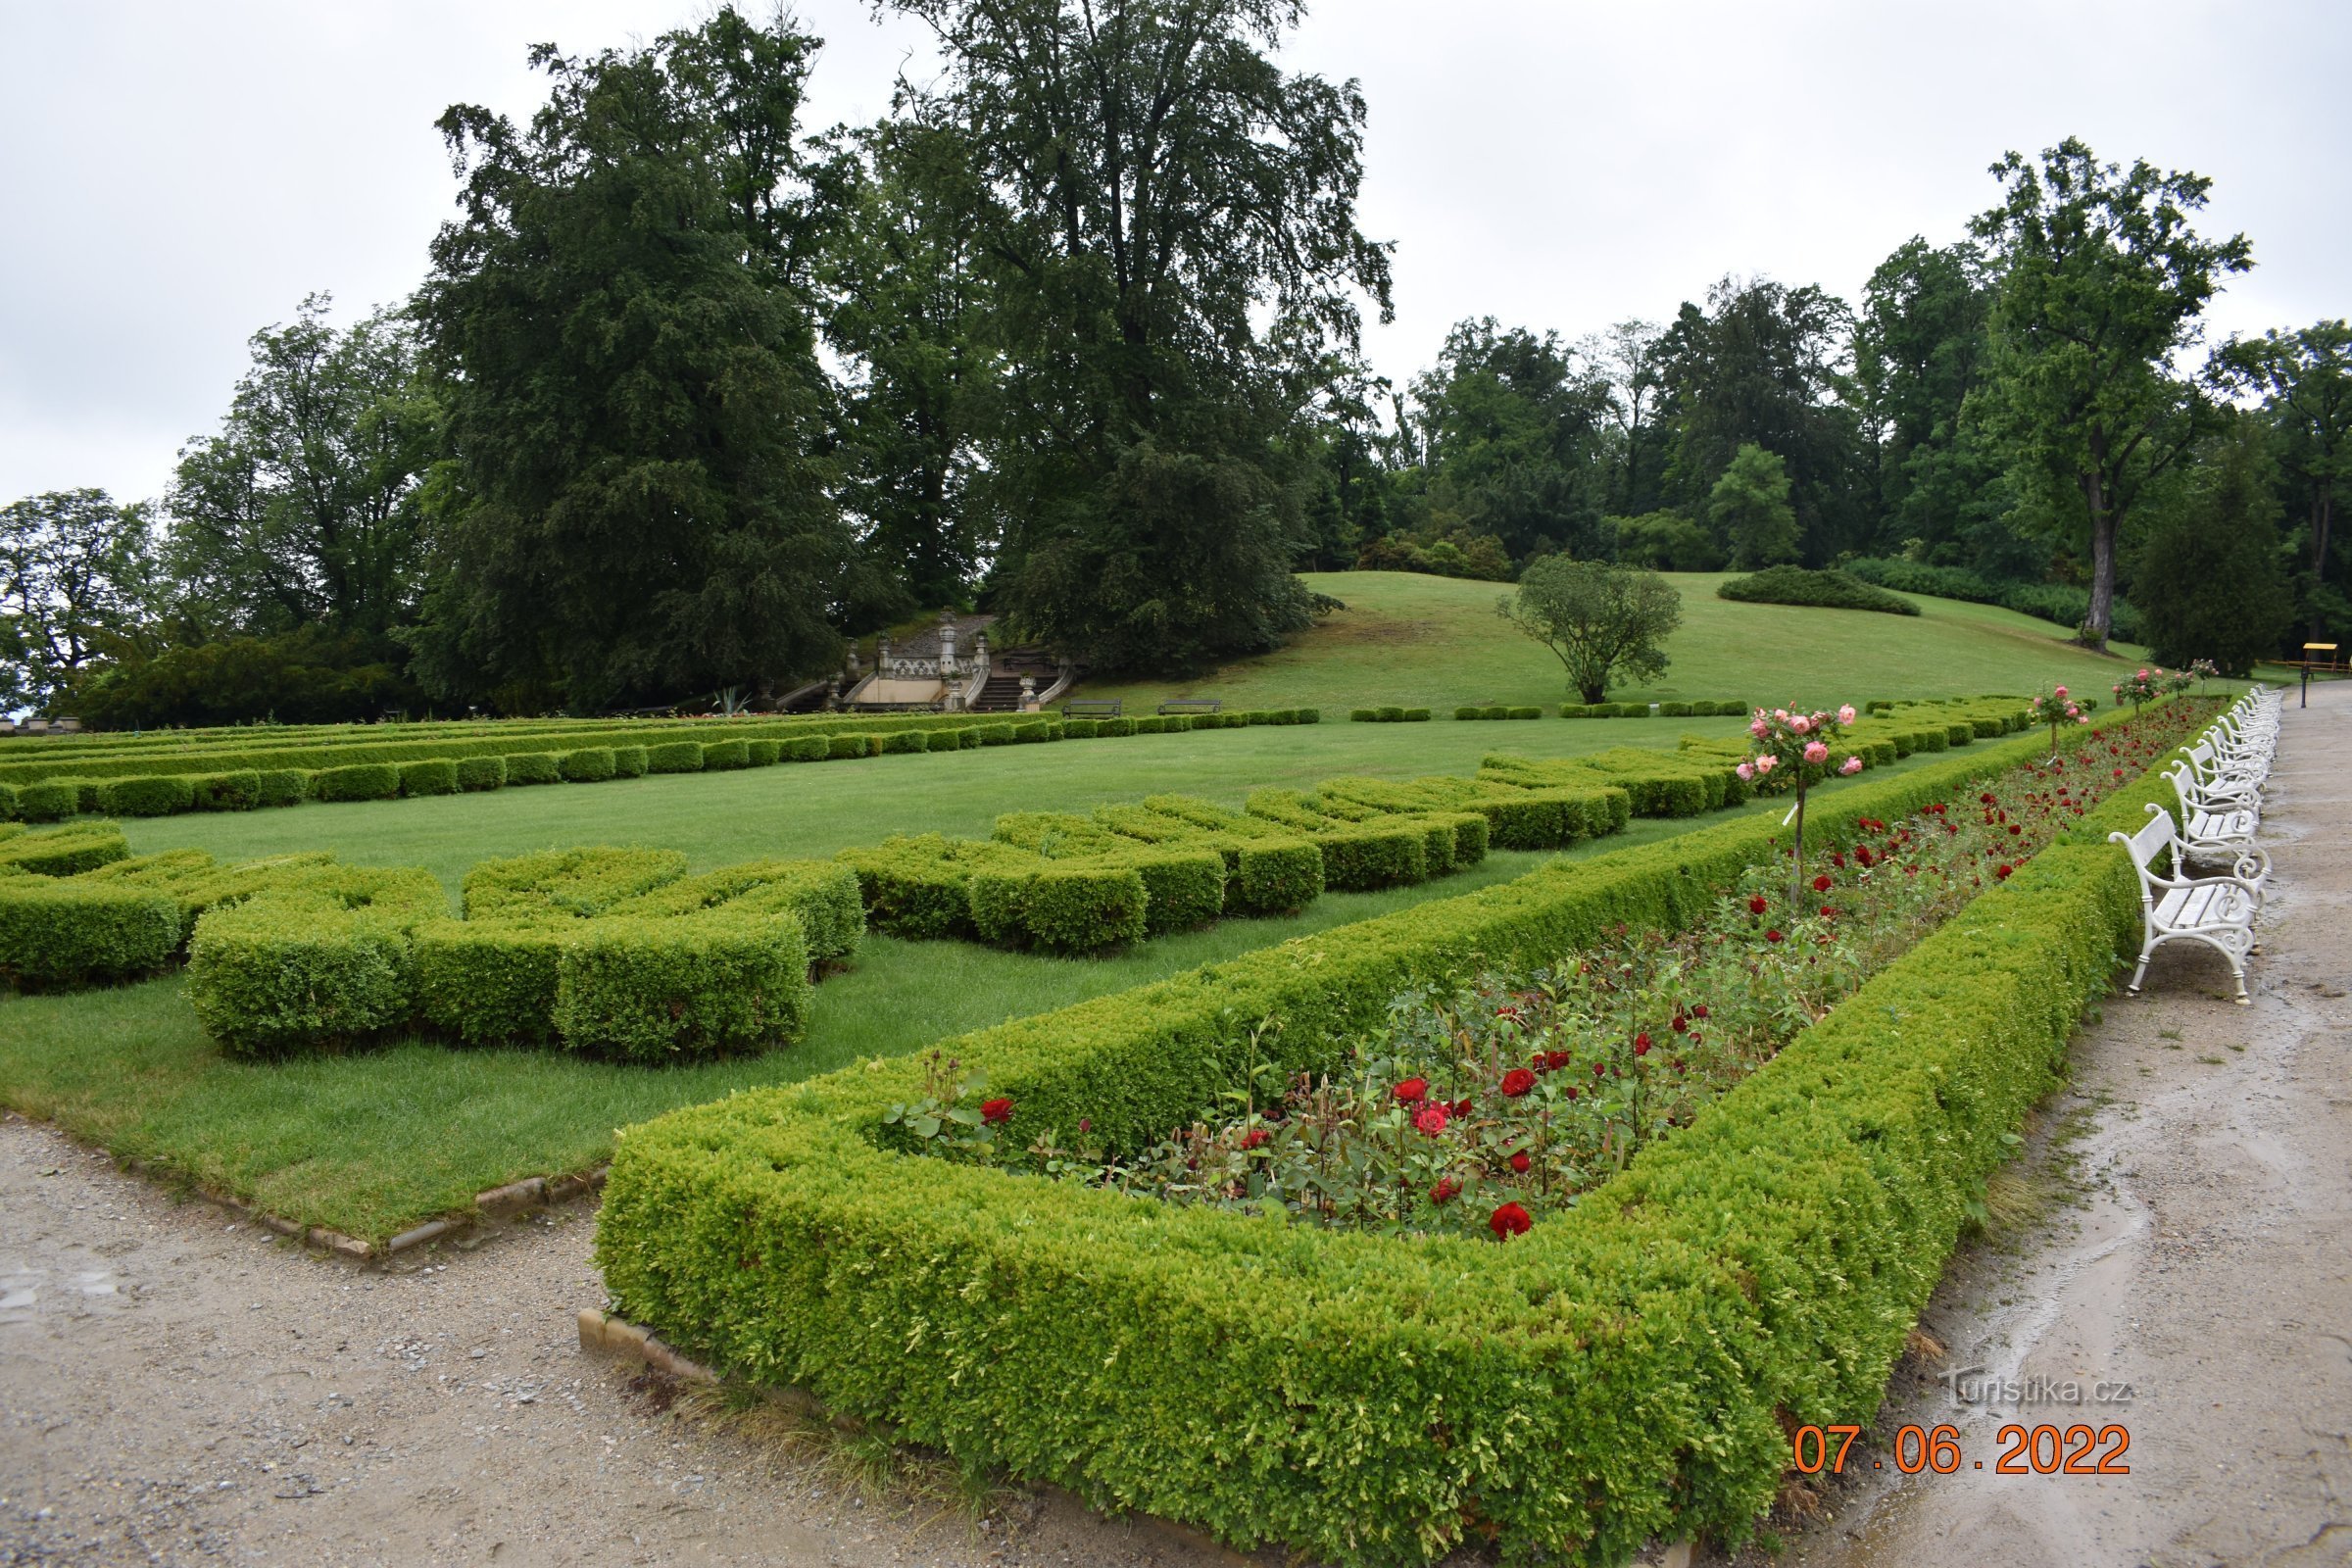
(1770, 1257)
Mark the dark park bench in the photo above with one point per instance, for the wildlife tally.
(1092, 708)
(1192, 705)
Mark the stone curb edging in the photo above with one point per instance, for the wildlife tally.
(498, 1204)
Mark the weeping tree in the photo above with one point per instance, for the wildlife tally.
(1166, 218)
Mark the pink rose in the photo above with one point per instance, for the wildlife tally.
(1758, 729)
(1800, 723)
(2061, 691)
(1853, 765)
(1746, 772)
(1817, 753)
(1846, 715)
(1766, 763)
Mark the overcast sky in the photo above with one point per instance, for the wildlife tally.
(174, 176)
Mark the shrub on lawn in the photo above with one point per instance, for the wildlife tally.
(844, 747)
(328, 958)
(763, 754)
(1078, 729)
(284, 786)
(1821, 590)
(940, 740)
(906, 740)
(1274, 876)
(590, 765)
(225, 792)
(813, 748)
(436, 775)
(630, 762)
(490, 982)
(361, 781)
(725, 756)
(55, 931)
(1111, 728)
(675, 757)
(533, 767)
(822, 893)
(565, 884)
(663, 989)
(159, 795)
(1149, 724)
(65, 851)
(999, 734)
(481, 772)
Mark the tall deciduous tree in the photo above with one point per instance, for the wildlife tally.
(1603, 623)
(1168, 219)
(1750, 511)
(2104, 281)
(638, 501)
(2305, 380)
(75, 575)
(2209, 583)
(304, 509)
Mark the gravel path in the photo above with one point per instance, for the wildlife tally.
(2205, 1277)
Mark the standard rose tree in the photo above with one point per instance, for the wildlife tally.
(1797, 747)
(2055, 708)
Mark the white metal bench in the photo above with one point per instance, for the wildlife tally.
(2219, 834)
(2217, 910)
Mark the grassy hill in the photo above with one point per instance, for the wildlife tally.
(1436, 642)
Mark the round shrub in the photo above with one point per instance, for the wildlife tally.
(1469, 713)
(628, 761)
(362, 781)
(590, 765)
(1523, 713)
(1389, 714)
(158, 796)
(1363, 715)
(726, 756)
(481, 772)
(1415, 716)
(1821, 590)
(533, 767)
(432, 775)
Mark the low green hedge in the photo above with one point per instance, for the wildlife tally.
(821, 895)
(725, 756)
(488, 981)
(481, 772)
(565, 884)
(630, 762)
(159, 796)
(66, 851)
(435, 775)
(675, 757)
(225, 792)
(908, 740)
(57, 930)
(533, 767)
(767, 753)
(1621, 1373)
(843, 747)
(816, 748)
(1821, 590)
(364, 781)
(590, 765)
(328, 958)
(702, 985)
(284, 786)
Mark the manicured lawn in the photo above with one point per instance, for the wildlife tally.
(814, 809)
(1436, 642)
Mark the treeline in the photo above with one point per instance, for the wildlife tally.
(693, 392)
(2028, 416)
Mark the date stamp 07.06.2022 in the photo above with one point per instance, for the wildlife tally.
(2022, 1451)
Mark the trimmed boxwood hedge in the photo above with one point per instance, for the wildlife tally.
(725, 756)
(1619, 1373)
(665, 990)
(226, 792)
(590, 765)
(65, 851)
(481, 772)
(435, 775)
(160, 795)
(327, 959)
(628, 761)
(366, 781)
(675, 757)
(55, 930)
(533, 767)
(767, 753)
(1821, 590)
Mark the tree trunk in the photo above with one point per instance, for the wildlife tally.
(2102, 561)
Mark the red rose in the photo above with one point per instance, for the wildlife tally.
(1431, 1118)
(1679, 1024)
(1772, 936)
(1827, 912)
(1520, 1162)
(998, 1109)
(1554, 1061)
(1700, 1011)
(1446, 1191)
(1254, 1137)
(1461, 1106)
(1642, 1045)
(1411, 1091)
(1598, 1069)
(1757, 904)
(1508, 1221)
(1821, 883)
(1518, 1081)
(2002, 874)
(1862, 857)
(1572, 1091)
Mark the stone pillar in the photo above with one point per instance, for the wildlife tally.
(1028, 694)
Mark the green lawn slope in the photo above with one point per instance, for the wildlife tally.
(1436, 642)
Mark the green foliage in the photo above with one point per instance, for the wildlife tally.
(590, 765)
(1778, 1250)
(1602, 622)
(822, 894)
(767, 753)
(366, 781)
(2210, 581)
(720, 756)
(906, 740)
(489, 982)
(675, 757)
(1823, 590)
(1749, 509)
(57, 930)
(51, 800)
(844, 747)
(565, 884)
(816, 748)
(147, 796)
(481, 772)
(631, 761)
(667, 990)
(284, 786)
(1665, 541)
(64, 851)
(533, 767)
(226, 792)
(433, 776)
(326, 959)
